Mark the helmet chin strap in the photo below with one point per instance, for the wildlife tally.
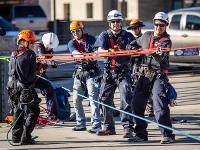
(115, 32)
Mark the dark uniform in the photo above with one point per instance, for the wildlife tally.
(116, 74)
(43, 83)
(153, 80)
(22, 76)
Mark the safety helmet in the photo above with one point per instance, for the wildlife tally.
(114, 15)
(50, 40)
(26, 35)
(135, 23)
(76, 25)
(161, 16)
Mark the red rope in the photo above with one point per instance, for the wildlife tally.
(100, 55)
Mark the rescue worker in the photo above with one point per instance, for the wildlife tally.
(85, 75)
(136, 29)
(153, 77)
(116, 74)
(22, 78)
(46, 46)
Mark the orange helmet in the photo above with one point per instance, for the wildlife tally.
(135, 23)
(76, 25)
(26, 35)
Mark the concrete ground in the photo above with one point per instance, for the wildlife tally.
(61, 136)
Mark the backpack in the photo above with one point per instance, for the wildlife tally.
(171, 95)
(63, 109)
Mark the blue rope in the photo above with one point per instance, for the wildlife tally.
(144, 119)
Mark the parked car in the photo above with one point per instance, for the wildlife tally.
(12, 31)
(25, 16)
(8, 28)
(184, 30)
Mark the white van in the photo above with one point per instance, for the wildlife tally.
(25, 16)
(184, 30)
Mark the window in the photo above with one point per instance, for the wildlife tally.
(28, 11)
(185, 3)
(89, 7)
(192, 22)
(5, 11)
(67, 12)
(175, 22)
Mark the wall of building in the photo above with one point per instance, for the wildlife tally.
(78, 9)
(108, 5)
(132, 9)
(148, 8)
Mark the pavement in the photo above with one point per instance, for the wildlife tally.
(61, 136)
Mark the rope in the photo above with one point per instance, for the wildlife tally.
(100, 55)
(7, 136)
(141, 118)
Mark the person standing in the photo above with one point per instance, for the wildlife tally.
(46, 46)
(85, 75)
(116, 74)
(22, 78)
(136, 29)
(153, 77)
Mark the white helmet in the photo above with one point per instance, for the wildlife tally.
(161, 16)
(114, 15)
(50, 40)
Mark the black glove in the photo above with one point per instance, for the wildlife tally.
(133, 45)
(54, 64)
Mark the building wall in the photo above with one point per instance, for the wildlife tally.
(132, 10)
(148, 8)
(144, 9)
(108, 5)
(78, 9)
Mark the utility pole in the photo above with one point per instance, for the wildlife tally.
(54, 17)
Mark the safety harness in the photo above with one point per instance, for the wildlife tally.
(85, 69)
(80, 46)
(42, 67)
(115, 45)
(154, 44)
(12, 72)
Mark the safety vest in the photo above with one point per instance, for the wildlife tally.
(80, 46)
(115, 45)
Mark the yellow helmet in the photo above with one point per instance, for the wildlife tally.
(76, 25)
(26, 35)
(135, 23)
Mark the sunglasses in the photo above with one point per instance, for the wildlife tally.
(76, 31)
(160, 25)
(116, 21)
(31, 42)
